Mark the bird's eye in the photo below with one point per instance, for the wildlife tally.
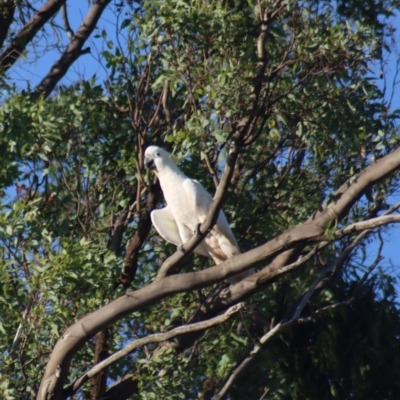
(158, 154)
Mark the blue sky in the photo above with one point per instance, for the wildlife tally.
(87, 66)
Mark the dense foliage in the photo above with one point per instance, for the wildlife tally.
(75, 231)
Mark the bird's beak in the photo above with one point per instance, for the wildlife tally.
(149, 163)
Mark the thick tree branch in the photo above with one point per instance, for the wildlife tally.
(74, 49)
(98, 384)
(28, 32)
(136, 243)
(313, 230)
(318, 284)
(346, 196)
(155, 338)
(279, 266)
(122, 389)
(352, 190)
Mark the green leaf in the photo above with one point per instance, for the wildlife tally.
(220, 138)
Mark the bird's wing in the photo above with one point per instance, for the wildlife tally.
(164, 222)
(198, 196)
(202, 200)
(226, 230)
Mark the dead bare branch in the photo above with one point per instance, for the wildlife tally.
(67, 26)
(28, 32)
(368, 225)
(74, 49)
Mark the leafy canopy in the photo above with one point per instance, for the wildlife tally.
(74, 220)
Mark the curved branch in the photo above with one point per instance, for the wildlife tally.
(74, 49)
(28, 32)
(286, 323)
(277, 329)
(155, 338)
(285, 261)
(312, 230)
(367, 225)
(346, 196)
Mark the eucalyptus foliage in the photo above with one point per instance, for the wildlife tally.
(181, 74)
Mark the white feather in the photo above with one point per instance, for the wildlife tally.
(187, 206)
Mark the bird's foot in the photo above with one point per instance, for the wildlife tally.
(197, 231)
(181, 249)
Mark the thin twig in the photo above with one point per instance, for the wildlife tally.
(211, 170)
(367, 225)
(19, 330)
(66, 24)
(165, 94)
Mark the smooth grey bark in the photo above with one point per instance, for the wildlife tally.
(74, 49)
(311, 231)
(28, 32)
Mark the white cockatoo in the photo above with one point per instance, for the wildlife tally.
(187, 206)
